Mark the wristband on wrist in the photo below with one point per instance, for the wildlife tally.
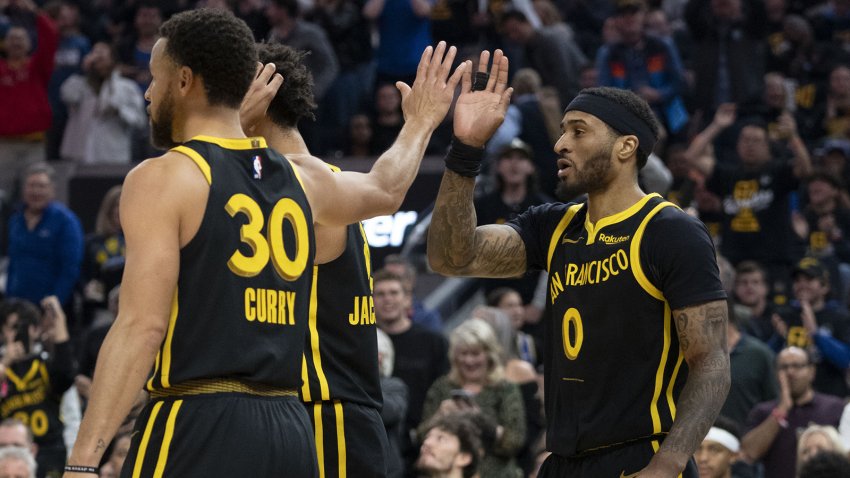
(80, 469)
(464, 159)
(780, 417)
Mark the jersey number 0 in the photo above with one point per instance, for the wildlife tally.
(573, 333)
(270, 245)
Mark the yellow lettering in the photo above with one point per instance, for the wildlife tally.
(606, 270)
(281, 307)
(353, 317)
(590, 278)
(261, 305)
(364, 311)
(290, 296)
(271, 309)
(371, 311)
(571, 271)
(622, 260)
(555, 287)
(250, 311)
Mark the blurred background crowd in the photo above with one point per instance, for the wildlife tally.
(754, 99)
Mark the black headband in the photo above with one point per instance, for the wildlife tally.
(617, 117)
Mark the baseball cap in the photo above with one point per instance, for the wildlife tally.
(516, 144)
(629, 6)
(811, 267)
(835, 144)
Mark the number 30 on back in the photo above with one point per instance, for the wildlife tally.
(269, 245)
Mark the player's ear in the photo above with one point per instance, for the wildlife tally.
(463, 459)
(185, 77)
(626, 147)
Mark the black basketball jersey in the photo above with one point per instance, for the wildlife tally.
(341, 353)
(613, 366)
(243, 295)
(28, 396)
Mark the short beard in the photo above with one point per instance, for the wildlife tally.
(592, 178)
(162, 128)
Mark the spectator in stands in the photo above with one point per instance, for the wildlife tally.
(45, 241)
(288, 28)
(404, 29)
(135, 45)
(831, 23)
(349, 34)
(16, 463)
(104, 110)
(388, 117)
(552, 51)
(417, 312)
(646, 65)
(34, 398)
(817, 439)
(360, 136)
(824, 225)
(752, 291)
(719, 454)
(394, 410)
(509, 301)
(828, 464)
(755, 192)
(729, 51)
(830, 115)
(15, 433)
(421, 355)
(73, 47)
(103, 263)
(476, 382)
(814, 324)
(772, 426)
(799, 57)
(451, 448)
(25, 114)
(753, 373)
(119, 448)
(832, 156)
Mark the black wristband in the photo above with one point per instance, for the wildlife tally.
(80, 469)
(464, 159)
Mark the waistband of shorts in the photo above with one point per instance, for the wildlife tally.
(208, 386)
(599, 450)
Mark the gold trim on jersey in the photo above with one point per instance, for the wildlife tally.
(298, 177)
(593, 229)
(559, 229)
(166, 440)
(205, 386)
(21, 382)
(320, 438)
(143, 446)
(324, 393)
(340, 438)
(670, 402)
(198, 159)
(166, 345)
(255, 142)
(634, 253)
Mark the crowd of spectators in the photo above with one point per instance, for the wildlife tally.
(754, 99)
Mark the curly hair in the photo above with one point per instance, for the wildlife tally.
(294, 99)
(216, 46)
(636, 105)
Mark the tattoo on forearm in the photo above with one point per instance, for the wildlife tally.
(702, 337)
(101, 445)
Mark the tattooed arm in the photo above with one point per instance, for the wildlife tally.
(455, 245)
(702, 337)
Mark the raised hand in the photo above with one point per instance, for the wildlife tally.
(725, 115)
(260, 95)
(433, 90)
(478, 114)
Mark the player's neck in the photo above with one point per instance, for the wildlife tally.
(617, 197)
(214, 121)
(285, 140)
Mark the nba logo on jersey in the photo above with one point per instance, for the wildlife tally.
(258, 168)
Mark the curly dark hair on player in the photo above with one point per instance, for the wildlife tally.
(636, 105)
(216, 46)
(294, 99)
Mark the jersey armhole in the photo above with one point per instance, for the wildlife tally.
(634, 253)
(198, 159)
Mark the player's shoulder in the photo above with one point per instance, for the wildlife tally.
(672, 217)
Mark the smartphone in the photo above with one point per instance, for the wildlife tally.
(461, 395)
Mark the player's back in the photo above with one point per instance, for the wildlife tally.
(240, 309)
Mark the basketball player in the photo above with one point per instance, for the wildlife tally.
(341, 384)
(217, 286)
(624, 267)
